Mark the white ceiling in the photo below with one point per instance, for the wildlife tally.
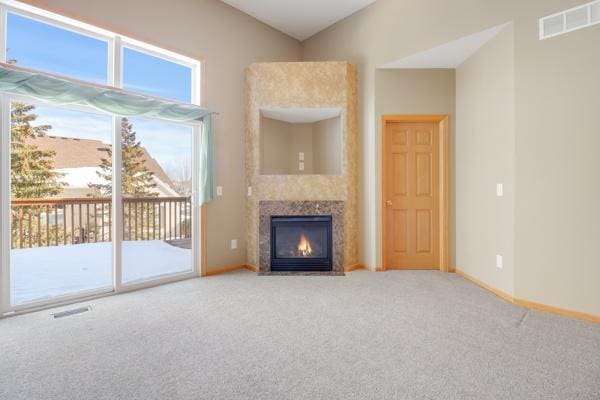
(299, 18)
(300, 115)
(449, 55)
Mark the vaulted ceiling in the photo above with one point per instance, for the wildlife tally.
(299, 18)
(449, 55)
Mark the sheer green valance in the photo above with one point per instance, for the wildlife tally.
(63, 91)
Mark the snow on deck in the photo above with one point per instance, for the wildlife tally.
(46, 272)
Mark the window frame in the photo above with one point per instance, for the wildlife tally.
(116, 43)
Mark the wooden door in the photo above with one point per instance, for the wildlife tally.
(412, 174)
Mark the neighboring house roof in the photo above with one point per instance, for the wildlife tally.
(74, 153)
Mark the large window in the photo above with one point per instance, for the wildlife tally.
(34, 44)
(156, 76)
(51, 43)
(71, 224)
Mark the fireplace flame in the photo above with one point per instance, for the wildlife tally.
(304, 246)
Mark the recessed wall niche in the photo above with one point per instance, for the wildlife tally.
(300, 141)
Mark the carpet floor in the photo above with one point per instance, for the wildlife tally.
(394, 335)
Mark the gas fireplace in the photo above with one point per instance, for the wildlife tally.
(301, 243)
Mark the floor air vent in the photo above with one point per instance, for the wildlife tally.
(73, 311)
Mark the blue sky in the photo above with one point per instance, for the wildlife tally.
(40, 46)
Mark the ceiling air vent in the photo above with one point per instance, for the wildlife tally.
(570, 20)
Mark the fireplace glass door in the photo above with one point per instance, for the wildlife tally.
(301, 243)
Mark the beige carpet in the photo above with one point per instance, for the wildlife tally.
(394, 335)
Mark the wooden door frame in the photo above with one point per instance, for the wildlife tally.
(442, 121)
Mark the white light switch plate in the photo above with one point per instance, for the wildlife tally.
(301, 156)
(219, 190)
(233, 244)
(499, 190)
(249, 191)
(301, 166)
(498, 261)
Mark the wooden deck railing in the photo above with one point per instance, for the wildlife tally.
(55, 222)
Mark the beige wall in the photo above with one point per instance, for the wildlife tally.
(556, 167)
(485, 156)
(327, 147)
(281, 142)
(227, 41)
(274, 147)
(302, 141)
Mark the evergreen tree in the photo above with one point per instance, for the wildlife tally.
(136, 178)
(32, 170)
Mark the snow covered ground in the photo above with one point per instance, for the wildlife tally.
(46, 272)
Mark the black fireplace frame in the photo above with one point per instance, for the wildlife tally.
(280, 264)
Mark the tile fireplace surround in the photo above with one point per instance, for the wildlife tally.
(313, 208)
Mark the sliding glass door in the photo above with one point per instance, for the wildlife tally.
(157, 182)
(60, 224)
(91, 202)
(65, 238)
(157, 199)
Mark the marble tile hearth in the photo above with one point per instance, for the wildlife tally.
(268, 208)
